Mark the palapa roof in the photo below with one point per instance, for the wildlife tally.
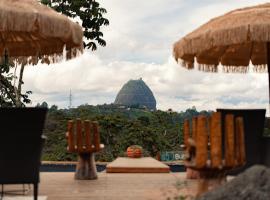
(30, 31)
(232, 40)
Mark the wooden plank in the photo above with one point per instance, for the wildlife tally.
(70, 136)
(137, 170)
(79, 135)
(216, 140)
(96, 136)
(240, 142)
(137, 165)
(201, 143)
(229, 141)
(194, 128)
(88, 138)
(186, 130)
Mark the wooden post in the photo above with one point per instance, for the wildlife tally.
(216, 140)
(229, 141)
(240, 142)
(201, 143)
(268, 68)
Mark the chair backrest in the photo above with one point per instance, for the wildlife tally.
(83, 137)
(254, 125)
(213, 150)
(20, 144)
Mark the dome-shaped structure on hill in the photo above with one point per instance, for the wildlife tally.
(136, 93)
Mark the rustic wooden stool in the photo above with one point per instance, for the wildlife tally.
(214, 148)
(85, 141)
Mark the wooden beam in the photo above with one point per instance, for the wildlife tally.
(201, 143)
(229, 141)
(216, 140)
(240, 142)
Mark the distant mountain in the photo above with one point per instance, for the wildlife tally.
(136, 93)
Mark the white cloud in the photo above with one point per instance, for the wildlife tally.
(95, 82)
(139, 44)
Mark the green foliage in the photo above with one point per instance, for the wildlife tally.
(90, 14)
(7, 89)
(119, 128)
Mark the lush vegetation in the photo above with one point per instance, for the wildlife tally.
(86, 12)
(119, 128)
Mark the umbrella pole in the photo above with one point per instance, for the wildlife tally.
(268, 68)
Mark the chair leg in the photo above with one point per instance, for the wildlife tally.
(2, 192)
(35, 191)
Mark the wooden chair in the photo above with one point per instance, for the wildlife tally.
(212, 153)
(84, 141)
(254, 127)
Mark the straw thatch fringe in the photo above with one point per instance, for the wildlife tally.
(260, 68)
(242, 26)
(207, 68)
(235, 69)
(185, 64)
(46, 59)
(30, 32)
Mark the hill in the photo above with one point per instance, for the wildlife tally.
(136, 93)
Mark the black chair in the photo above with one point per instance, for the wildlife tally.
(253, 126)
(266, 151)
(20, 145)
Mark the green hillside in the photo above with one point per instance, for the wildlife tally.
(119, 128)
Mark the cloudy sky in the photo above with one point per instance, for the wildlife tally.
(139, 44)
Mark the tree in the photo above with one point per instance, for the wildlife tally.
(44, 104)
(91, 18)
(10, 95)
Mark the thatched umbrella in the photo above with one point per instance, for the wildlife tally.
(30, 31)
(232, 40)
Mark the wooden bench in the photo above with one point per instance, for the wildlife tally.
(214, 147)
(84, 139)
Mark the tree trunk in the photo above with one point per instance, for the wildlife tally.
(19, 88)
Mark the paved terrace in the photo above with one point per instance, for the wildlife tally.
(62, 186)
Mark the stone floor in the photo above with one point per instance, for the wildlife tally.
(143, 186)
